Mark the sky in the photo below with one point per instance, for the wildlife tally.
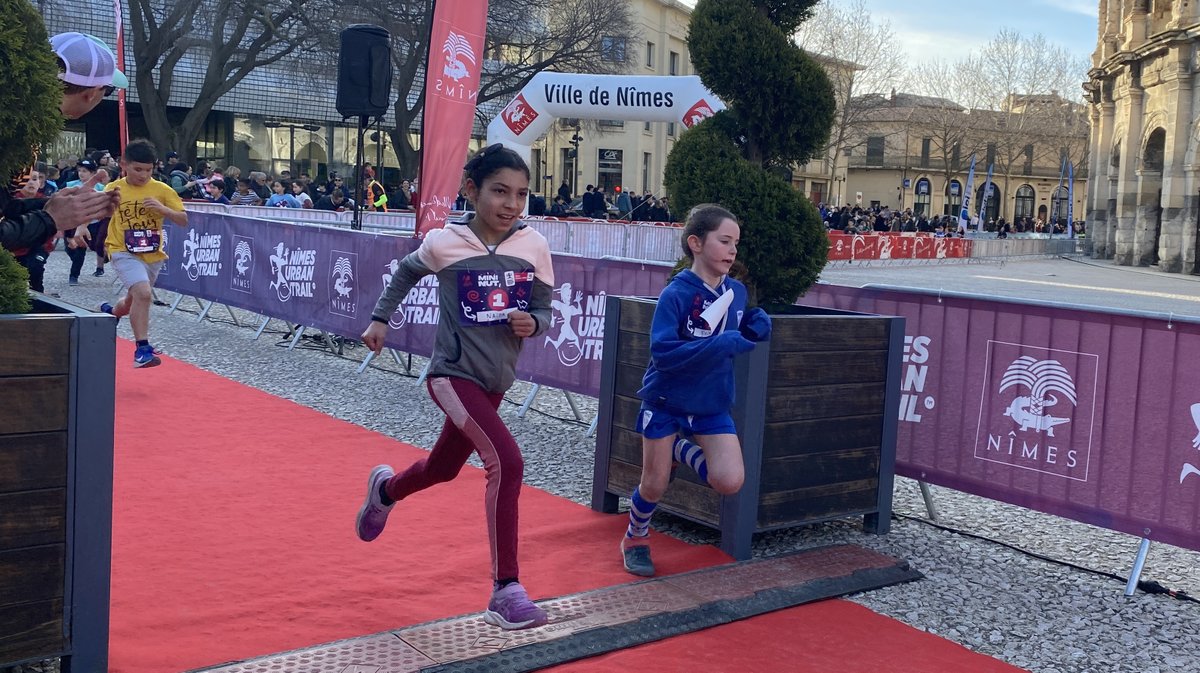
(940, 28)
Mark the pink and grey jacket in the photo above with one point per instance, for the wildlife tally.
(477, 290)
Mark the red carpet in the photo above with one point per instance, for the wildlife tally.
(233, 538)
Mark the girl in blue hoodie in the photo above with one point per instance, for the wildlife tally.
(688, 390)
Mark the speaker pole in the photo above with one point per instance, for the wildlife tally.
(379, 149)
(356, 224)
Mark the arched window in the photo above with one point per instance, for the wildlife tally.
(1025, 200)
(953, 198)
(921, 201)
(991, 209)
(1152, 158)
(1058, 204)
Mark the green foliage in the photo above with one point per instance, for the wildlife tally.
(14, 285)
(783, 245)
(787, 14)
(32, 93)
(781, 109)
(781, 97)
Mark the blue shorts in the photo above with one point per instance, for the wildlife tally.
(656, 424)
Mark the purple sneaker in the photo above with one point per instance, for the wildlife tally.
(373, 515)
(510, 608)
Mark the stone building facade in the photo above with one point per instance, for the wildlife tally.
(914, 154)
(1143, 189)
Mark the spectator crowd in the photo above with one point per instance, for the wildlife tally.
(876, 219)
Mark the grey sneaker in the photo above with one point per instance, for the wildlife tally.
(510, 608)
(372, 517)
(636, 553)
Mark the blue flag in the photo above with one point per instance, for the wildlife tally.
(964, 215)
(987, 196)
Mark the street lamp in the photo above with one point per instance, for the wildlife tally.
(575, 140)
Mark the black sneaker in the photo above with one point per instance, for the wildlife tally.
(98, 272)
(73, 280)
(637, 556)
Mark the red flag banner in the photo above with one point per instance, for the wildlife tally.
(122, 119)
(451, 89)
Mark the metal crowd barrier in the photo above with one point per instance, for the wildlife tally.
(627, 240)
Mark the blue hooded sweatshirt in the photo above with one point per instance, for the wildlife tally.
(691, 365)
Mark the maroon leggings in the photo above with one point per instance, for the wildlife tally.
(472, 424)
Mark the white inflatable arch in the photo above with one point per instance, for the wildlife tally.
(646, 98)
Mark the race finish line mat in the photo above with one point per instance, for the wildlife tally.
(595, 622)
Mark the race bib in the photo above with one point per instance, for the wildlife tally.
(487, 297)
(142, 240)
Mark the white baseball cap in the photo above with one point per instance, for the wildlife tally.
(88, 61)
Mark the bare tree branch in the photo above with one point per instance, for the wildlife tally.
(862, 57)
(1024, 98)
(232, 37)
(524, 37)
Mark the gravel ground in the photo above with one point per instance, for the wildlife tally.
(1036, 614)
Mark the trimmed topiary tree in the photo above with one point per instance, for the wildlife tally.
(32, 93)
(14, 285)
(781, 108)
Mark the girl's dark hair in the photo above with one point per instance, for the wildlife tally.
(140, 151)
(702, 219)
(492, 158)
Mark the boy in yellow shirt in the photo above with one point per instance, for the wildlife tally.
(135, 240)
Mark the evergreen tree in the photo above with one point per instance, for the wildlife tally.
(32, 93)
(14, 285)
(781, 108)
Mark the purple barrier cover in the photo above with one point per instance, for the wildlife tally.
(330, 278)
(568, 355)
(1088, 415)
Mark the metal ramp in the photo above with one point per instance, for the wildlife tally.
(595, 622)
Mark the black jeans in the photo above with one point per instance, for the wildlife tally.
(34, 262)
(78, 256)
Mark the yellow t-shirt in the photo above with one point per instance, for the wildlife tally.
(132, 215)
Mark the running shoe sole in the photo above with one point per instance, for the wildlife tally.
(495, 619)
(362, 511)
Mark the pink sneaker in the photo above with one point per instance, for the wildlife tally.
(510, 608)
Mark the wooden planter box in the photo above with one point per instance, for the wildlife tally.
(817, 410)
(56, 468)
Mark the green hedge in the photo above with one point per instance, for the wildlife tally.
(14, 285)
(781, 109)
(31, 93)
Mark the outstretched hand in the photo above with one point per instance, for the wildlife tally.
(74, 206)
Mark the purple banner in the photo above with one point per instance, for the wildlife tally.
(568, 355)
(329, 279)
(1088, 415)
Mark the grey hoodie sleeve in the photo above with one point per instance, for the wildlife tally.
(539, 305)
(411, 271)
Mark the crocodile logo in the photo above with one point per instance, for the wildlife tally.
(1043, 379)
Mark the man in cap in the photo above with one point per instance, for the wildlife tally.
(89, 72)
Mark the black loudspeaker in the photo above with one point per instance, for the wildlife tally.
(364, 72)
